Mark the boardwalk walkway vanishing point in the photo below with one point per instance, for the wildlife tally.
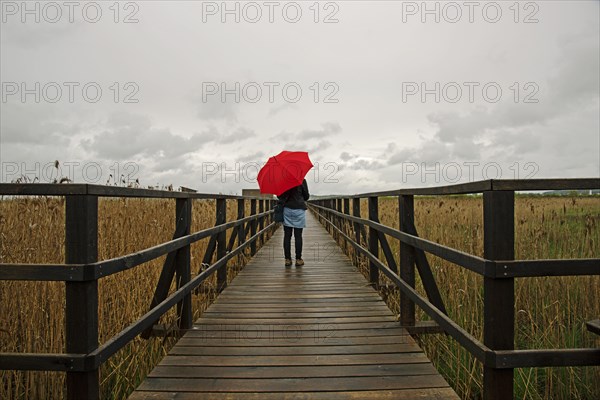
(315, 332)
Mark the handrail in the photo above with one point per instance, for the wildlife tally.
(81, 272)
(102, 269)
(479, 265)
(497, 266)
(484, 186)
(73, 189)
(86, 362)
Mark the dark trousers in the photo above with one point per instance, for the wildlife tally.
(287, 241)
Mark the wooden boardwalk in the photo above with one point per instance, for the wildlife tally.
(315, 332)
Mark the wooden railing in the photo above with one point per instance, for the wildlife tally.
(82, 270)
(498, 268)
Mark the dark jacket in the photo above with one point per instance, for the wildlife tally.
(295, 197)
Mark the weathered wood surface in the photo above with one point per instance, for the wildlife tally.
(315, 332)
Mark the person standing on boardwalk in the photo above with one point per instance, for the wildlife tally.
(294, 220)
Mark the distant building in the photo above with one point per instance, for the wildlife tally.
(256, 193)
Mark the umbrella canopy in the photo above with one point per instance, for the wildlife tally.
(283, 171)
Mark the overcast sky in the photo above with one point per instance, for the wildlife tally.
(380, 94)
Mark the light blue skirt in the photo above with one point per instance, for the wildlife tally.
(295, 218)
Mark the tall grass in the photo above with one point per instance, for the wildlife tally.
(32, 313)
(550, 312)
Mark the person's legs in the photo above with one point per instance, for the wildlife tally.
(287, 242)
(298, 242)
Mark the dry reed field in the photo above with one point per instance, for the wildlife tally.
(32, 313)
(550, 312)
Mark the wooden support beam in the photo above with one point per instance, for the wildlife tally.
(498, 294)
(82, 297)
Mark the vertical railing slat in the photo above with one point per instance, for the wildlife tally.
(373, 241)
(183, 271)
(221, 218)
(261, 221)
(253, 225)
(241, 233)
(407, 259)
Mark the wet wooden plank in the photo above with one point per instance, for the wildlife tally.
(311, 371)
(328, 384)
(405, 394)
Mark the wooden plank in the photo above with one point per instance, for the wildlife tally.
(288, 295)
(404, 394)
(300, 321)
(300, 304)
(298, 314)
(293, 372)
(282, 332)
(205, 339)
(272, 324)
(292, 350)
(328, 384)
(225, 307)
(335, 359)
(320, 331)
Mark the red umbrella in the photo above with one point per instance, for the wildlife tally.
(283, 171)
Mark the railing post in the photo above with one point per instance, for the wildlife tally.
(221, 244)
(345, 222)
(81, 322)
(407, 259)
(340, 220)
(183, 272)
(253, 227)
(356, 213)
(261, 209)
(339, 209)
(373, 241)
(241, 211)
(272, 203)
(356, 225)
(327, 214)
(321, 212)
(498, 294)
(333, 206)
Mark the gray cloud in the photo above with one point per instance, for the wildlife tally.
(512, 130)
(327, 129)
(214, 109)
(257, 156)
(368, 165)
(129, 135)
(345, 156)
(171, 131)
(283, 107)
(308, 135)
(238, 135)
(38, 125)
